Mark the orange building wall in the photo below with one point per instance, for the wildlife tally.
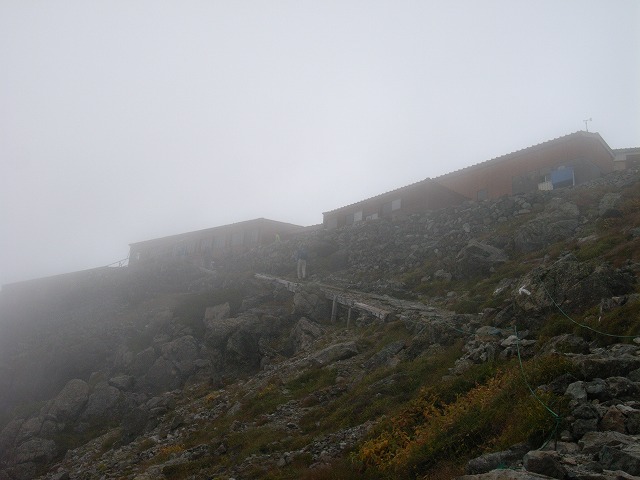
(586, 153)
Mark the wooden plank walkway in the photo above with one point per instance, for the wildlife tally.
(351, 300)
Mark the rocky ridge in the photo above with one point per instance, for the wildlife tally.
(169, 375)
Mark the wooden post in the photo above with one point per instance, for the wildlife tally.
(349, 318)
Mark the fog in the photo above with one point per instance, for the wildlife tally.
(122, 121)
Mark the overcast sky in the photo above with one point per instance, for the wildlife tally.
(122, 121)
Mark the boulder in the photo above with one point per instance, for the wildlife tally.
(614, 420)
(242, 350)
(566, 343)
(545, 463)
(334, 353)
(385, 355)
(122, 382)
(559, 221)
(183, 353)
(478, 258)
(626, 458)
(163, 376)
(35, 450)
(604, 365)
(491, 461)
(30, 428)
(70, 401)
(572, 285)
(142, 362)
(102, 402)
(311, 304)
(304, 334)
(593, 442)
(608, 203)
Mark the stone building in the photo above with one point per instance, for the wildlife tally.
(204, 246)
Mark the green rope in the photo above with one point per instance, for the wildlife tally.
(524, 377)
(578, 323)
(557, 418)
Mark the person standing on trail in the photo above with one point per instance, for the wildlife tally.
(301, 256)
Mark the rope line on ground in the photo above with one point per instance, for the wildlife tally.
(574, 321)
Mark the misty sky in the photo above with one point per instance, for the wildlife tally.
(122, 121)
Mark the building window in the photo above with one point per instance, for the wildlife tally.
(373, 216)
(391, 206)
(332, 222)
(349, 219)
(357, 217)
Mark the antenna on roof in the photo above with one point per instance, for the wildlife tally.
(586, 127)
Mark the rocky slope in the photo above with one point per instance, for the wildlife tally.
(173, 372)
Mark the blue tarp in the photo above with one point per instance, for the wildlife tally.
(562, 177)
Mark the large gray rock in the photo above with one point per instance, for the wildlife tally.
(103, 402)
(559, 221)
(218, 333)
(544, 463)
(142, 362)
(71, 400)
(122, 382)
(605, 365)
(565, 343)
(36, 450)
(334, 353)
(163, 376)
(593, 442)
(30, 428)
(183, 353)
(572, 285)
(304, 334)
(626, 458)
(242, 349)
(607, 203)
(491, 461)
(385, 355)
(477, 258)
(311, 304)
